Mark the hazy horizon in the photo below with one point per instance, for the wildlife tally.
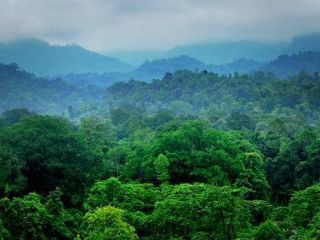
(106, 26)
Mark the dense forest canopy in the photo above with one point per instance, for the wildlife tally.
(159, 120)
(195, 155)
(205, 93)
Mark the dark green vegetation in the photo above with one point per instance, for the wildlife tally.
(194, 156)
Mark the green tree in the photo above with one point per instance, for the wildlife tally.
(27, 218)
(314, 228)
(12, 180)
(161, 165)
(49, 154)
(296, 166)
(136, 199)
(269, 231)
(4, 234)
(188, 211)
(98, 137)
(303, 206)
(106, 223)
(253, 178)
(13, 116)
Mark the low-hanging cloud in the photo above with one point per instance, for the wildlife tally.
(148, 24)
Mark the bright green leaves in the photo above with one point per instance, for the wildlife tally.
(106, 223)
(269, 231)
(186, 210)
(131, 197)
(189, 210)
(303, 206)
(161, 165)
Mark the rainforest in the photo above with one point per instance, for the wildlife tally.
(172, 134)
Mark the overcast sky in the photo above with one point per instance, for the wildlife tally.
(106, 25)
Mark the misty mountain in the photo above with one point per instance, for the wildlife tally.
(146, 72)
(288, 65)
(241, 66)
(43, 59)
(137, 57)
(225, 52)
(210, 53)
(308, 42)
(282, 66)
(20, 89)
(157, 68)
(228, 51)
(96, 79)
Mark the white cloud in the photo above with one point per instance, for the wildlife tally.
(144, 24)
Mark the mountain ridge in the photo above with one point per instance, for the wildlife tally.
(44, 59)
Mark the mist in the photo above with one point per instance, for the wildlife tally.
(105, 25)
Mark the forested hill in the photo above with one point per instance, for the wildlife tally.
(225, 157)
(19, 89)
(190, 93)
(43, 59)
(194, 156)
(288, 65)
(284, 66)
(157, 68)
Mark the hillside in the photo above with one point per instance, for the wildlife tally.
(307, 42)
(225, 52)
(146, 72)
(43, 59)
(288, 65)
(283, 66)
(19, 89)
(157, 68)
(186, 92)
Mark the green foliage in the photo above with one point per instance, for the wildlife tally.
(296, 166)
(314, 228)
(106, 224)
(13, 116)
(131, 197)
(260, 211)
(98, 136)
(27, 218)
(191, 211)
(4, 234)
(194, 156)
(46, 152)
(269, 231)
(303, 206)
(238, 97)
(12, 180)
(161, 165)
